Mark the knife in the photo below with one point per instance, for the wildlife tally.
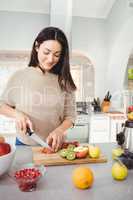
(36, 138)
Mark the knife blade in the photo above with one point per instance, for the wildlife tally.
(36, 138)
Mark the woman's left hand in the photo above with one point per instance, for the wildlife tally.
(55, 139)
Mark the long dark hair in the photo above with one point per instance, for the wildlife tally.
(62, 68)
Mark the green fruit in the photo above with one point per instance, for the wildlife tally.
(70, 147)
(63, 153)
(94, 151)
(71, 155)
(117, 152)
(119, 171)
(130, 73)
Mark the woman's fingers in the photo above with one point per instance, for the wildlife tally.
(29, 124)
(49, 140)
(56, 143)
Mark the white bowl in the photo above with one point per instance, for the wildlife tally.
(6, 161)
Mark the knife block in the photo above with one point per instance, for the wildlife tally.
(105, 106)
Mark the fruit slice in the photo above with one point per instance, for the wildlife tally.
(82, 154)
(47, 150)
(81, 149)
(71, 155)
(70, 147)
(66, 144)
(63, 153)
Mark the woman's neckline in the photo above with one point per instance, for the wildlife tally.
(41, 71)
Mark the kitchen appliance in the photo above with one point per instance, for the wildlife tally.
(125, 140)
(125, 137)
(36, 138)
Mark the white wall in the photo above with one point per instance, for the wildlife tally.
(120, 37)
(19, 29)
(107, 43)
(89, 37)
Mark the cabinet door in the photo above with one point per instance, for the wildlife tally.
(99, 137)
(99, 129)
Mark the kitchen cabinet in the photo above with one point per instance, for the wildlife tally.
(104, 127)
(99, 128)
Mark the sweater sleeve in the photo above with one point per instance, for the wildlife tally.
(9, 93)
(70, 107)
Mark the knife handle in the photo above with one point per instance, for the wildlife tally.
(29, 131)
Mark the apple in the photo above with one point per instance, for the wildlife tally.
(117, 152)
(119, 171)
(5, 148)
(81, 151)
(94, 151)
(130, 108)
(2, 139)
(81, 154)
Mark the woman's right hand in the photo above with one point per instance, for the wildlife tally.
(22, 122)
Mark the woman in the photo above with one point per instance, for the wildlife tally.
(42, 96)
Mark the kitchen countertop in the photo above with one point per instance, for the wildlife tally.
(57, 183)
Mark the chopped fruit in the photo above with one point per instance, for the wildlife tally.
(82, 154)
(27, 178)
(71, 147)
(81, 151)
(70, 155)
(72, 152)
(47, 150)
(63, 153)
(66, 144)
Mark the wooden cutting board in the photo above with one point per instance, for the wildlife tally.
(55, 159)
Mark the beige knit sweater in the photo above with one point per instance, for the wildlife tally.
(40, 97)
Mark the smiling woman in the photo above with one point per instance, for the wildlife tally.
(49, 76)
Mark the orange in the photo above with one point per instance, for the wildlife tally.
(82, 177)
